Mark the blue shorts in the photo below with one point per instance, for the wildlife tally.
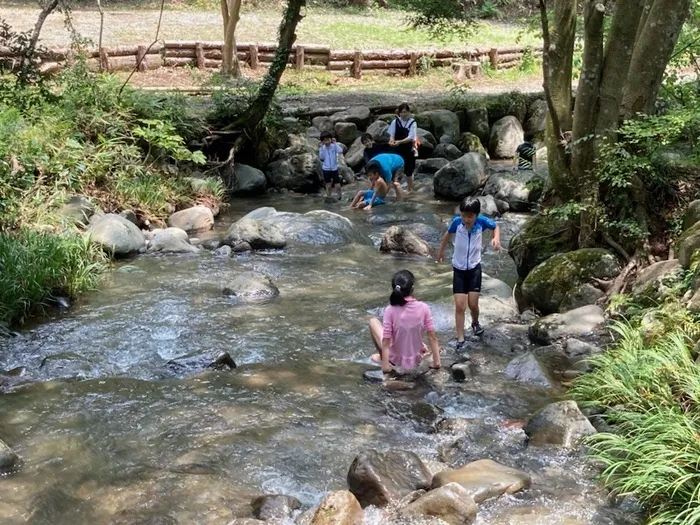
(368, 198)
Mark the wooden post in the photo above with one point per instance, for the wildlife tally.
(493, 58)
(199, 53)
(413, 68)
(141, 57)
(253, 56)
(104, 60)
(300, 58)
(357, 65)
(328, 64)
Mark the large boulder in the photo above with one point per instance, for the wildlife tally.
(274, 506)
(470, 143)
(447, 151)
(300, 172)
(355, 157)
(430, 166)
(116, 235)
(259, 214)
(345, 132)
(527, 368)
(338, 508)
(379, 478)
(478, 124)
(515, 188)
(451, 503)
(547, 286)
(441, 123)
(426, 139)
(506, 135)
(193, 220)
(171, 240)
(259, 235)
(489, 206)
(379, 131)
(461, 177)
(400, 239)
(251, 286)
(359, 116)
(560, 423)
(542, 237)
(317, 227)
(77, 211)
(485, 479)
(692, 215)
(688, 245)
(655, 281)
(581, 322)
(8, 459)
(248, 180)
(322, 123)
(536, 120)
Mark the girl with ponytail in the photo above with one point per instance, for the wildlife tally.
(399, 338)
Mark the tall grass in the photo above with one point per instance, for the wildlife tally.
(34, 267)
(650, 393)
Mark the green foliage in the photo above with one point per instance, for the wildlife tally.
(425, 65)
(39, 266)
(650, 394)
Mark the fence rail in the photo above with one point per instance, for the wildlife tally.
(203, 55)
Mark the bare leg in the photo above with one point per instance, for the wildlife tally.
(375, 332)
(473, 302)
(460, 309)
(410, 183)
(328, 190)
(340, 192)
(356, 201)
(397, 189)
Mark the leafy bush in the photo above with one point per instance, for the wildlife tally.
(39, 266)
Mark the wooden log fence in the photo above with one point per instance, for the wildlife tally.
(208, 55)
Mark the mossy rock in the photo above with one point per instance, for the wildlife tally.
(549, 284)
(469, 142)
(692, 215)
(688, 245)
(541, 237)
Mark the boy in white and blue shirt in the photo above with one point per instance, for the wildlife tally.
(466, 261)
(328, 152)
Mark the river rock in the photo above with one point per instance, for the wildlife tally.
(575, 348)
(298, 171)
(358, 115)
(313, 133)
(322, 123)
(171, 240)
(430, 234)
(506, 136)
(402, 240)
(345, 132)
(583, 295)
(338, 508)
(447, 151)
(688, 244)
(515, 188)
(470, 143)
(542, 237)
(485, 479)
(692, 215)
(489, 207)
(454, 425)
(224, 251)
(8, 459)
(461, 178)
(478, 124)
(379, 131)
(193, 220)
(440, 122)
(274, 506)
(130, 215)
(546, 287)
(430, 166)
(378, 478)
(463, 371)
(77, 210)
(116, 235)
(317, 227)
(257, 234)
(251, 286)
(581, 322)
(654, 281)
(426, 139)
(529, 369)
(536, 120)
(259, 214)
(451, 503)
(560, 423)
(355, 157)
(248, 181)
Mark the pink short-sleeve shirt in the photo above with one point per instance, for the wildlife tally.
(405, 326)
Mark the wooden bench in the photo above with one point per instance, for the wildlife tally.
(464, 70)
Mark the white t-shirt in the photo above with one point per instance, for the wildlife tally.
(410, 124)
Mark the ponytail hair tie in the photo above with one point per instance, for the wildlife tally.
(397, 288)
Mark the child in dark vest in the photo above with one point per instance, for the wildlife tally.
(402, 136)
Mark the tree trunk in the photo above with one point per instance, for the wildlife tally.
(34, 39)
(287, 35)
(230, 13)
(652, 52)
(560, 50)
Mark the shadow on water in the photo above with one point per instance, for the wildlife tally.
(110, 433)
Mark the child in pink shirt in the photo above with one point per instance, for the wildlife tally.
(399, 339)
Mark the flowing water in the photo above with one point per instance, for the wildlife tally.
(109, 432)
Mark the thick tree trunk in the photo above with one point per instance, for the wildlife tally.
(287, 35)
(559, 51)
(230, 13)
(49, 8)
(652, 51)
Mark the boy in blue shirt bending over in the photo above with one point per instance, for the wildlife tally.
(389, 166)
(466, 261)
(328, 153)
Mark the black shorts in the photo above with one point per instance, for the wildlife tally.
(331, 176)
(465, 281)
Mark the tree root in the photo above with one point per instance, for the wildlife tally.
(618, 284)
